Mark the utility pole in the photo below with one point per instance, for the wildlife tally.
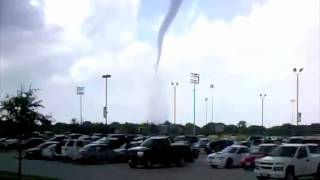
(105, 109)
(80, 92)
(206, 100)
(295, 70)
(292, 114)
(194, 80)
(212, 87)
(174, 85)
(263, 96)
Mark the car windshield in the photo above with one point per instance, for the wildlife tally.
(44, 145)
(314, 149)
(229, 150)
(284, 151)
(179, 138)
(69, 143)
(148, 143)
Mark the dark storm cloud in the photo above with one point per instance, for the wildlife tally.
(23, 34)
(19, 15)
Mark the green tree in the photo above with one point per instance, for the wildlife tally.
(22, 111)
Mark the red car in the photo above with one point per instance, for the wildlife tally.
(262, 150)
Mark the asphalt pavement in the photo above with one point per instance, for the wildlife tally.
(199, 170)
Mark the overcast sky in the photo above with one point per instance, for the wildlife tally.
(244, 47)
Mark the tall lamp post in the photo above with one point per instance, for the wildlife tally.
(194, 80)
(206, 100)
(262, 96)
(212, 87)
(292, 114)
(105, 109)
(80, 92)
(174, 85)
(297, 72)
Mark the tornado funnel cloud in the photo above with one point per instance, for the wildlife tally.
(173, 9)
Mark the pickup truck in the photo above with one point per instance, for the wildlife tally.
(159, 150)
(288, 161)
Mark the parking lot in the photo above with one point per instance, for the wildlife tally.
(198, 170)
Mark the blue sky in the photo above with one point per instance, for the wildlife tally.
(244, 47)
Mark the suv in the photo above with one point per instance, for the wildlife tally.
(288, 161)
(159, 150)
(217, 146)
(72, 147)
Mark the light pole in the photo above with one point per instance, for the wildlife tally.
(174, 85)
(105, 109)
(206, 100)
(297, 72)
(263, 96)
(292, 114)
(212, 87)
(80, 92)
(194, 80)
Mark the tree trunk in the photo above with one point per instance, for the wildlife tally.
(19, 158)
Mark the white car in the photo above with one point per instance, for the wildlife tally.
(288, 161)
(229, 157)
(72, 147)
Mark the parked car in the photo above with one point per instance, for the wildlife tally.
(187, 139)
(159, 150)
(32, 142)
(11, 143)
(314, 148)
(122, 138)
(71, 148)
(288, 161)
(35, 153)
(114, 143)
(191, 141)
(93, 153)
(2, 141)
(262, 150)
(73, 136)
(294, 140)
(217, 146)
(229, 157)
(54, 151)
(57, 137)
(123, 150)
(202, 143)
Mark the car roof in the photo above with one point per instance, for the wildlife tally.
(158, 137)
(268, 144)
(94, 144)
(239, 146)
(292, 145)
(311, 144)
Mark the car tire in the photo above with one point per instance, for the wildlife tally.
(148, 164)
(317, 176)
(213, 166)
(132, 164)
(92, 160)
(229, 163)
(262, 178)
(181, 162)
(290, 175)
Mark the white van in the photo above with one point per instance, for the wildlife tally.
(72, 147)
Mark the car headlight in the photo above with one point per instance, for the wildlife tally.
(140, 153)
(210, 157)
(278, 168)
(220, 158)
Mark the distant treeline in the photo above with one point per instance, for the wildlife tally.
(8, 129)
